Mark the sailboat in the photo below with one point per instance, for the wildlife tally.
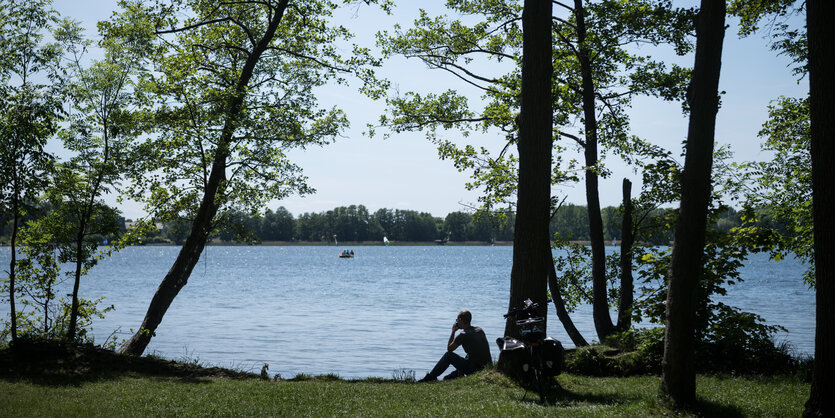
(386, 241)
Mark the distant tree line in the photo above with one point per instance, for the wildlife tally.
(356, 223)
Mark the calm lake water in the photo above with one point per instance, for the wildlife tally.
(304, 310)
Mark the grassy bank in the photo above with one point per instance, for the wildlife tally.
(54, 379)
(486, 394)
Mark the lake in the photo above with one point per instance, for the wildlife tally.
(304, 310)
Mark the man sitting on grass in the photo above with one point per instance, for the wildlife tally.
(475, 345)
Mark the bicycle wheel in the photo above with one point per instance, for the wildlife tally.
(539, 376)
(541, 384)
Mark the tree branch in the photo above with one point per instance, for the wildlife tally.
(576, 139)
(442, 60)
(563, 21)
(570, 9)
(196, 25)
(433, 64)
(306, 57)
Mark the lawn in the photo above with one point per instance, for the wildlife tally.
(485, 394)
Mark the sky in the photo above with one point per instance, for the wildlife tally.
(404, 171)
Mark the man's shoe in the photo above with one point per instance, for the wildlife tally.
(428, 378)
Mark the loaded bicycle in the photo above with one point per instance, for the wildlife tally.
(540, 357)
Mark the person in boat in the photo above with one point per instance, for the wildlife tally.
(474, 342)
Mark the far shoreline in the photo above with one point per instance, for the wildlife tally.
(219, 243)
(363, 244)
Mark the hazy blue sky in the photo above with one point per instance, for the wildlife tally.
(404, 171)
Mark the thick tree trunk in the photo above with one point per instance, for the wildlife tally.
(562, 313)
(600, 303)
(626, 279)
(821, 38)
(678, 379)
(531, 255)
(189, 255)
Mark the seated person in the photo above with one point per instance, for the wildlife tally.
(475, 345)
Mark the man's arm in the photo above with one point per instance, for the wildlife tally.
(452, 344)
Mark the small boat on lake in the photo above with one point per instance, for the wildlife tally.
(346, 254)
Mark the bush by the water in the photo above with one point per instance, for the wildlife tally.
(732, 350)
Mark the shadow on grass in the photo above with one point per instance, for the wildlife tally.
(51, 363)
(560, 396)
(704, 408)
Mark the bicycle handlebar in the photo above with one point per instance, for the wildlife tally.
(516, 311)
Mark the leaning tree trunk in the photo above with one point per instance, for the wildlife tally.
(600, 302)
(678, 379)
(821, 38)
(562, 313)
(626, 279)
(531, 257)
(189, 255)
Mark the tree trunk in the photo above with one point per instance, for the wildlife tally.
(531, 255)
(189, 255)
(600, 303)
(179, 273)
(562, 313)
(626, 279)
(79, 247)
(82, 233)
(12, 264)
(678, 379)
(821, 39)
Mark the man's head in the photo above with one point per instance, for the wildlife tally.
(464, 318)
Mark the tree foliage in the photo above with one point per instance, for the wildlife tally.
(595, 72)
(30, 109)
(783, 184)
(233, 86)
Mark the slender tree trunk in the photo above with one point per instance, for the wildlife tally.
(12, 264)
(82, 233)
(79, 248)
(678, 379)
(626, 243)
(600, 303)
(189, 255)
(562, 313)
(531, 257)
(45, 308)
(821, 38)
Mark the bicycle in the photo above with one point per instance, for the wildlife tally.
(542, 357)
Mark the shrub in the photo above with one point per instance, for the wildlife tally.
(643, 349)
(589, 361)
(739, 342)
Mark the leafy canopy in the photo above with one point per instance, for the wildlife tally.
(197, 52)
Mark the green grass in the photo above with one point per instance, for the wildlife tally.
(485, 394)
